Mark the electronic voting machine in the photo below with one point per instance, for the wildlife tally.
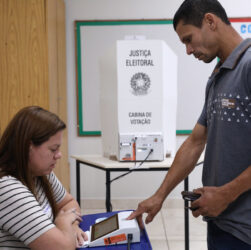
(113, 230)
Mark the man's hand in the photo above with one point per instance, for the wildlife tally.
(213, 201)
(151, 206)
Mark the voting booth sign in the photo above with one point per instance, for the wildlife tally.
(139, 100)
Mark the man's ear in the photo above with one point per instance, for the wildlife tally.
(210, 20)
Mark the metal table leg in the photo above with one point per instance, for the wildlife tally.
(78, 181)
(108, 192)
(186, 186)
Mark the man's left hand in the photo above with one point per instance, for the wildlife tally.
(213, 201)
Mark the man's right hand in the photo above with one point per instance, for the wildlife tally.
(151, 206)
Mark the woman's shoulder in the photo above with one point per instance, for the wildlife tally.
(8, 182)
(9, 178)
(52, 178)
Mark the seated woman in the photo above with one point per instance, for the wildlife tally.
(36, 212)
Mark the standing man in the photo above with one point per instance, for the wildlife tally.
(224, 125)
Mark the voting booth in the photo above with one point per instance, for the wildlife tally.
(138, 99)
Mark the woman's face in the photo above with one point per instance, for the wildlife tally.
(43, 158)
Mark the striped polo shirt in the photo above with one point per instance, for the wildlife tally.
(22, 217)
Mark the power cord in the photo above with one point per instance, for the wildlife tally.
(129, 241)
(199, 163)
(135, 152)
(145, 158)
(120, 176)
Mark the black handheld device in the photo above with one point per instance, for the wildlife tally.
(190, 196)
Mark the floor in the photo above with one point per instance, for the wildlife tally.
(166, 231)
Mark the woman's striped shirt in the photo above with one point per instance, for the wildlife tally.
(22, 217)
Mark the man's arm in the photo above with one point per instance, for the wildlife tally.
(184, 162)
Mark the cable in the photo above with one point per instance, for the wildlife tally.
(135, 140)
(199, 163)
(145, 159)
(118, 177)
(165, 230)
(129, 241)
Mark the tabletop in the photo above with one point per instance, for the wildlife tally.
(104, 162)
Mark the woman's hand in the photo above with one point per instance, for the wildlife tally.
(66, 219)
(81, 236)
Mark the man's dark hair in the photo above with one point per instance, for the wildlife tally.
(193, 11)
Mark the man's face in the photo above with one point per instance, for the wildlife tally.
(198, 41)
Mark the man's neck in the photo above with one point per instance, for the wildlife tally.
(228, 42)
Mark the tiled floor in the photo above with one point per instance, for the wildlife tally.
(166, 231)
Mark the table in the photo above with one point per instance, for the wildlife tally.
(90, 220)
(109, 165)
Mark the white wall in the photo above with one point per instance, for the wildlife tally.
(135, 185)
